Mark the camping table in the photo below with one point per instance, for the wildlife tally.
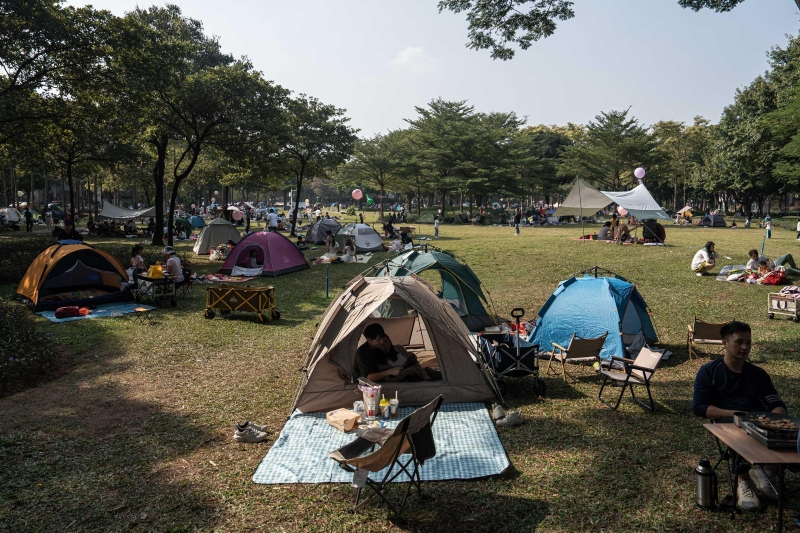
(156, 289)
(743, 445)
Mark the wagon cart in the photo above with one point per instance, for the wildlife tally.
(227, 298)
(782, 304)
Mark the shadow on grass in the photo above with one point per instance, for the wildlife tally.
(87, 440)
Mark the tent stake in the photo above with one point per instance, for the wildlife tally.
(326, 281)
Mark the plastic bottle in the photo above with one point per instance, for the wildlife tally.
(385, 413)
(371, 406)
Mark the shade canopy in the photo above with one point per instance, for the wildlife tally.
(585, 200)
(113, 212)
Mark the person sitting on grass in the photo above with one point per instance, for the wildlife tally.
(605, 232)
(622, 233)
(705, 259)
(756, 259)
(349, 252)
(763, 269)
(731, 384)
(301, 243)
(67, 233)
(379, 360)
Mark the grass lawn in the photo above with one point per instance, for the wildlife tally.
(135, 433)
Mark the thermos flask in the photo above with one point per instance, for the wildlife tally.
(706, 481)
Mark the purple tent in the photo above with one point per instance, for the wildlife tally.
(274, 252)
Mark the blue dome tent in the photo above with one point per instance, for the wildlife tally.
(590, 306)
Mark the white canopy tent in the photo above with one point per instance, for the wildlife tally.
(114, 212)
(585, 200)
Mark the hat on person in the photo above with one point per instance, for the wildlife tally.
(168, 250)
(231, 242)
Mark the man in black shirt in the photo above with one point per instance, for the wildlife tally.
(731, 384)
(379, 360)
(68, 233)
(517, 220)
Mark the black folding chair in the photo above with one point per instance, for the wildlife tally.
(184, 288)
(413, 436)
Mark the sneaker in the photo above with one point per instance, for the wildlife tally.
(513, 418)
(762, 483)
(746, 498)
(497, 411)
(254, 426)
(699, 274)
(248, 434)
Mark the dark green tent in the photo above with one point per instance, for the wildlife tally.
(179, 223)
(460, 286)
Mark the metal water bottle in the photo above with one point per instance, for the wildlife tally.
(706, 485)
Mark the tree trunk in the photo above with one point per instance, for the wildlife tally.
(381, 200)
(158, 179)
(299, 182)
(71, 191)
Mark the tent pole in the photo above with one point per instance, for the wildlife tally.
(580, 207)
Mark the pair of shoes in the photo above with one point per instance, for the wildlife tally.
(498, 412)
(762, 483)
(512, 418)
(249, 432)
(746, 497)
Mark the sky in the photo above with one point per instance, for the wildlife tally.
(380, 59)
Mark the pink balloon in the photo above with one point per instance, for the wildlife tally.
(622, 211)
(237, 215)
(639, 173)
(357, 194)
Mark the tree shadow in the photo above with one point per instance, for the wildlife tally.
(86, 436)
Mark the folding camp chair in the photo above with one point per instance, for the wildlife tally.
(637, 372)
(413, 436)
(703, 333)
(579, 352)
(184, 289)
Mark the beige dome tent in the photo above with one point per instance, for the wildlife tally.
(217, 232)
(412, 316)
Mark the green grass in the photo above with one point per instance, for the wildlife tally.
(136, 436)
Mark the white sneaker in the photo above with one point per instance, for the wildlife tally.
(255, 426)
(497, 411)
(762, 483)
(746, 497)
(248, 434)
(699, 274)
(512, 418)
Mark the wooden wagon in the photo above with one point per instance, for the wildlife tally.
(228, 298)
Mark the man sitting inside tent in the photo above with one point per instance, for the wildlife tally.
(379, 360)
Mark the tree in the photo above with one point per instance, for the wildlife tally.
(611, 149)
(318, 140)
(538, 152)
(187, 94)
(44, 50)
(494, 24)
(374, 162)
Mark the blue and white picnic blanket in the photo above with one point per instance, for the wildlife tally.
(467, 446)
(101, 311)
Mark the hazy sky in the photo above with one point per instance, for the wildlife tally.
(379, 59)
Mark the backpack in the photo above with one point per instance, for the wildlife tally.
(776, 277)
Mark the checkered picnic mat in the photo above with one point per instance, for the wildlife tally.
(467, 446)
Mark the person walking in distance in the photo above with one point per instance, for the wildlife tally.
(517, 219)
(436, 227)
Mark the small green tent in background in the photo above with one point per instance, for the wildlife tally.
(460, 286)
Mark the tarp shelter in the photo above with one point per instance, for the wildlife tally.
(365, 238)
(461, 288)
(72, 273)
(113, 212)
(686, 209)
(316, 234)
(713, 221)
(217, 232)
(582, 201)
(197, 222)
(589, 307)
(638, 202)
(585, 200)
(275, 254)
(412, 316)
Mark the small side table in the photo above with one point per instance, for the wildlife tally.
(142, 314)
